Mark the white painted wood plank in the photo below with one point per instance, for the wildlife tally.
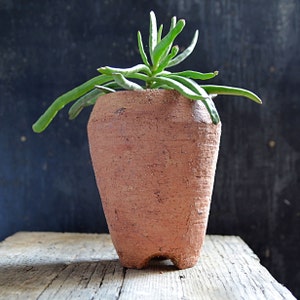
(39, 265)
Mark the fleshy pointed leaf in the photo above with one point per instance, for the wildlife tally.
(197, 75)
(142, 50)
(86, 100)
(139, 76)
(125, 71)
(191, 84)
(166, 60)
(45, 119)
(213, 112)
(181, 88)
(234, 91)
(162, 47)
(152, 33)
(173, 22)
(200, 92)
(159, 33)
(105, 89)
(125, 83)
(172, 25)
(182, 56)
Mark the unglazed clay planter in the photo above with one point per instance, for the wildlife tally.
(154, 154)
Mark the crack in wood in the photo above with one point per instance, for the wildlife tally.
(46, 288)
(124, 271)
(103, 275)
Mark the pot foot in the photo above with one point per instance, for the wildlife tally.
(185, 262)
(181, 262)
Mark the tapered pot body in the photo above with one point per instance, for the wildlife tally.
(154, 155)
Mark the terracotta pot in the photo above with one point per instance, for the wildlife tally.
(154, 154)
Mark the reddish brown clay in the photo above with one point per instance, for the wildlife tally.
(154, 154)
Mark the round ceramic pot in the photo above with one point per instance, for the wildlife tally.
(154, 154)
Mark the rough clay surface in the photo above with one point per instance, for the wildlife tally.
(154, 154)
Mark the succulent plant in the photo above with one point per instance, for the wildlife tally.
(151, 74)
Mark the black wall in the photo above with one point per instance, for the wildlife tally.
(48, 47)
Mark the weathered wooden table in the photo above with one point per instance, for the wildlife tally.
(40, 265)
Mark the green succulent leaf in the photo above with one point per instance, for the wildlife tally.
(192, 91)
(165, 61)
(141, 49)
(105, 89)
(86, 100)
(90, 98)
(213, 112)
(152, 33)
(45, 119)
(197, 75)
(139, 76)
(125, 71)
(125, 83)
(159, 33)
(172, 25)
(178, 86)
(162, 47)
(173, 22)
(181, 57)
(191, 84)
(234, 91)
(203, 95)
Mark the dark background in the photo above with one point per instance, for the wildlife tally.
(48, 47)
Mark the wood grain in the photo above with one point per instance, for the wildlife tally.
(40, 265)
